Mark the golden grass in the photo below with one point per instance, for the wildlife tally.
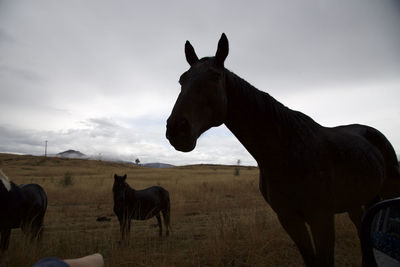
(217, 218)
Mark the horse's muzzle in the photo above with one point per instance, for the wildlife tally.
(180, 134)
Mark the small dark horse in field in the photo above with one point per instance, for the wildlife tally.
(307, 172)
(139, 205)
(20, 206)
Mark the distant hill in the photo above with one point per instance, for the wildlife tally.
(158, 165)
(74, 154)
(71, 154)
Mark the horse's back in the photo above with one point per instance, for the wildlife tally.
(157, 194)
(149, 202)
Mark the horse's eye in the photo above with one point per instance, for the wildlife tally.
(182, 78)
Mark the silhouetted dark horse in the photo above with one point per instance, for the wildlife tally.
(307, 172)
(139, 205)
(20, 206)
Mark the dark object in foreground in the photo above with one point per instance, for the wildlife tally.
(380, 234)
(22, 206)
(103, 219)
(139, 205)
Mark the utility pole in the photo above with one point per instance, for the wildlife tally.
(45, 148)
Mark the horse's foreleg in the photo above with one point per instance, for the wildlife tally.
(297, 230)
(159, 223)
(128, 230)
(322, 227)
(122, 228)
(5, 239)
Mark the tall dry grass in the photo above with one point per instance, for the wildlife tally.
(218, 218)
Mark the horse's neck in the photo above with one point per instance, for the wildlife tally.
(129, 192)
(131, 189)
(263, 125)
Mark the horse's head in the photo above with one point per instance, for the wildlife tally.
(202, 102)
(119, 186)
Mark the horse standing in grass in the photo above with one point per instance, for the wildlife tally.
(307, 172)
(139, 205)
(20, 206)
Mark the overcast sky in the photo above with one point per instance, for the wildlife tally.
(101, 77)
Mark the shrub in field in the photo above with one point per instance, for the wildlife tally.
(67, 179)
(237, 171)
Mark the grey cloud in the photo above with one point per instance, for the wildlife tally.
(103, 123)
(20, 140)
(308, 45)
(6, 37)
(21, 74)
(102, 127)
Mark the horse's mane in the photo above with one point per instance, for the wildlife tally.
(262, 104)
(4, 179)
(129, 190)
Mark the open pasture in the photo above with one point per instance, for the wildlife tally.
(217, 218)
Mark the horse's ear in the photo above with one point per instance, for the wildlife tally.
(115, 176)
(124, 178)
(191, 56)
(222, 50)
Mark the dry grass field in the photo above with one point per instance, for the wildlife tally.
(217, 218)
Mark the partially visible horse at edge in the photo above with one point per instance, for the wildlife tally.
(22, 206)
(139, 205)
(307, 172)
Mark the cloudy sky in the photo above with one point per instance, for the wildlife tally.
(102, 76)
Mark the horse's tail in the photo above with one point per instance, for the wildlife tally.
(167, 211)
(39, 227)
(391, 183)
(38, 206)
(44, 209)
